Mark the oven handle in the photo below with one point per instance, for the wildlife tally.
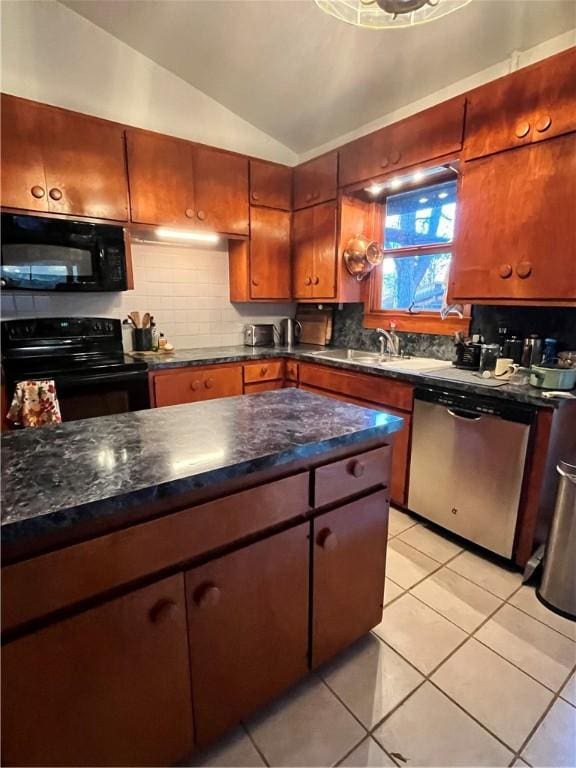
(104, 378)
(463, 415)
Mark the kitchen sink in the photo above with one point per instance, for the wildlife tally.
(373, 358)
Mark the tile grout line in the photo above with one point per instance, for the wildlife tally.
(256, 747)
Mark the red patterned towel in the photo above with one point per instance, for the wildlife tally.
(35, 404)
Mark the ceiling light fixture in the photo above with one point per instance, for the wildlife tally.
(389, 14)
(178, 234)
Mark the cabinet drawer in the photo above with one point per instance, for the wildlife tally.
(346, 477)
(195, 384)
(291, 370)
(264, 370)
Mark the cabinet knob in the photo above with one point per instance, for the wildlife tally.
(161, 610)
(209, 383)
(309, 196)
(55, 193)
(356, 468)
(543, 123)
(315, 280)
(522, 129)
(195, 385)
(327, 539)
(263, 370)
(37, 191)
(505, 270)
(316, 195)
(524, 269)
(190, 213)
(395, 157)
(384, 162)
(308, 281)
(207, 595)
(255, 196)
(255, 282)
(201, 215)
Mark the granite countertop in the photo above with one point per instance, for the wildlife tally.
(62, 475)
(240, 354)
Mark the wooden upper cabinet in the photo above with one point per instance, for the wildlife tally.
(349, 551)
(429, 134)
(316, 181)
(530, 105)
(58, 161)
(248, 628)
(270, 185)
(315, 252)
(221, 191)
(302, 253)
(515, 237)
(23, 177)
(269, 254)
(110, 686)
(161, 173)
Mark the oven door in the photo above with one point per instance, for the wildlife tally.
(56, 255)
(88, 396)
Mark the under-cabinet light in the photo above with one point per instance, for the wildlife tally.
(418, 176)
(396, 183)
(198, 237)
(375, 189)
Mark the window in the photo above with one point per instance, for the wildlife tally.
(418, 233)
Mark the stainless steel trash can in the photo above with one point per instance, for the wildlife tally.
(558, 588)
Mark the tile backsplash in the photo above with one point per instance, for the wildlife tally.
(185, 289)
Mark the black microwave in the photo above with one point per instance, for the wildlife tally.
(41, 254)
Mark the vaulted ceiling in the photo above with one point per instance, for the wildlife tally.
(306, 78)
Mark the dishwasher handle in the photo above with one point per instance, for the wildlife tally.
(464, 415)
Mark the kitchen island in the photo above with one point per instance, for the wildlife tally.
(170, 571)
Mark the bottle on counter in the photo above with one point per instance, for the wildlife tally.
(550, 352)
(155, 336)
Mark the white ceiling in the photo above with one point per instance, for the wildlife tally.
(306, 78)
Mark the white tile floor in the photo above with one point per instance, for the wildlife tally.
(467, 668)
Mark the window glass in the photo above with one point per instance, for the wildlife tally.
(421, 217)
(415, 281)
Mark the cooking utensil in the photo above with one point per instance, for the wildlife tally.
(552, 377)
(136, 319)
(146, 320)
(361, 255)
(532, 351)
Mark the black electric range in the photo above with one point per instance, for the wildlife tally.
(84, 357)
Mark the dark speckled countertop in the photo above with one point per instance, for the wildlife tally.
(62, 475)
(305, 352)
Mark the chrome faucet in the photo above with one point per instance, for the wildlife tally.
(389, 343)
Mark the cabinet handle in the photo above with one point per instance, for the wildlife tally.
(384, 162)
(356, 468)
(255, 195)
(207, 595)
(201, 215)
(209, 383)
(543, 123)
(327, 539)
(55, 193)
(263, 371)
(395, 157)
(316, 280)
(524, 269)
(522, 129)
(505, 270)
(308, 281)
(195, 385)
(189, 213)
(161, 610)
(37, 191)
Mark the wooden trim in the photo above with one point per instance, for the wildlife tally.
(453, 158)
(421, 322)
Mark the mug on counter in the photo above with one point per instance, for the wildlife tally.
(505, 366)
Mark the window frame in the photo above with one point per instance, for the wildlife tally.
(419, 321)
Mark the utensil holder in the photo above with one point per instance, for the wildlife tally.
(142, 339)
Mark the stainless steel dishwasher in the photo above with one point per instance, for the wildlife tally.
(467, 465)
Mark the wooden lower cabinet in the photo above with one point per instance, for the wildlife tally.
(248, 628)
(348, 565)
(192, 385)
(263, 386)
(109, 686)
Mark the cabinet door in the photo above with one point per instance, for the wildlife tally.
(23, 179)
(269, 253)
(221, 190)
(110, 686)
(529, 105)
(432, 133)
(270, 185)
(316, 181)
(325, 253)
(515, 227)
(303, 253)
(196, 384)
(85, 166)
(349, 550)
(248, 628)
(160, 170)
